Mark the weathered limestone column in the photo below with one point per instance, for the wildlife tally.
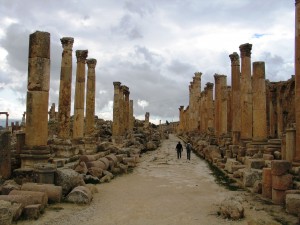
(116, 109)
(224, 109)
(5, 154)
(259, 102)
(290, 144)
(220, 105)
(52, 114)
(38, 89)
(64, 104)
(90, 97)
(297, 78)
(210, 106)
(147, 119)
(126, 108)
(203, 111)
(229, 110)
(122, 108)
(246, 92)
(272, 116)
(236, 102)
(279, 113)
(131, 119)
(181, 119)
(78, 123)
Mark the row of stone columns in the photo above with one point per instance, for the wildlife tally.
(123, 120)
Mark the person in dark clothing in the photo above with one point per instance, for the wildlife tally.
(179, 150)
(188, 151)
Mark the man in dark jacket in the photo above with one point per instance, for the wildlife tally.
(179, 150)
(188, 151)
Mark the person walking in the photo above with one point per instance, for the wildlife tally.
(188, 150)
(179, 150)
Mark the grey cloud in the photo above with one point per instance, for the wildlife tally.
(141, 7)
(128, 27)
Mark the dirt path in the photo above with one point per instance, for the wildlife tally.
(161, 190)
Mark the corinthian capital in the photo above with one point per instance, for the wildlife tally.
(91, 63)
(245, 50)
(235, 59)
(81, 55)
(67, 42)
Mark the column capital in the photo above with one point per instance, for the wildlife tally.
(246, 50)
(209, 85)
(67, 42)
(91, 63)
(219, 76)
(199, 74)
(235, 59)
(81, 55)
(116, 84)
(125, 90)
(181, 107)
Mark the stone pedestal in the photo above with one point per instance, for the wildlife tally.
(78, 122)
(44, 173)
(64, 106)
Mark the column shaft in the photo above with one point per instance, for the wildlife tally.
(78, 122)
(297, 78)
(116, 109)
(90, 97)
(64, 105)
(246, 92)
(259, 102)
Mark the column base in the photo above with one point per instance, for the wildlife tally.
(31, 157)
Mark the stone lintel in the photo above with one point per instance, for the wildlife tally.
(235, 59)
(81, 55)
(91, 63)
(67, 42)
(246, 50)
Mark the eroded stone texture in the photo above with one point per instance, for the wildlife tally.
(90, 97)
(5, 154)
(246, 92)
(220, 105)
(297, 78)
(64, 105)
(78, 122)
(147, 118)
(116, 109)
(259, 102)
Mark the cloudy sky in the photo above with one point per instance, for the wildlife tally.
(152, 46)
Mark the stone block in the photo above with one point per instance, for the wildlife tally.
(98, 164)
(80, 195)
(8, 186)
(278, 197)
(250, 176)
(81, 168)
(39, 45)
(280, 167)
(37, 120)
(53, 192)
(283, 182)
(268, 157)
(36, 196)
(255, 163)
(106, 162)
(32, 212)
(10, 211)
(44, 173)
(95, 171)
(292, 203)
(38, 74)
(229, 164)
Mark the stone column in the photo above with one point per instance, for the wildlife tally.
(229, 110)
(259, 102)
(78, 121)
(246, 92)
(90, 97)
(272, 114)
(116, 109)
(64, 104)
(52, 113)
(38, 89)
(181, 119)
(279, 113)
(131, 119)
(217, 104)
(297, 78)
(210, 106)
(126, 108)
(220, 105)
(290, 144)
(5, 154)
(236, 102)
(147, 119)
(122, 105)
(6, 122)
